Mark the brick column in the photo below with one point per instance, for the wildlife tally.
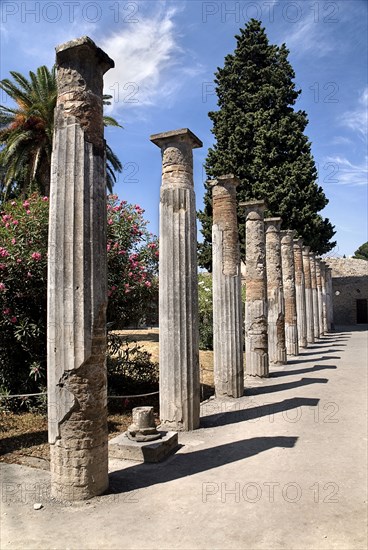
(275, 293)
(288, 277)
(256, 339)
(329, 299)
(227, 302)
(319, 295)
(324, 297)
(178, 301)
(314, 294)
(77, 277)
(300, 293)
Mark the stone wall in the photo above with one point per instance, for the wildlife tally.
(350, 284)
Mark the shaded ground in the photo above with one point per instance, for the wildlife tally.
(23, 437)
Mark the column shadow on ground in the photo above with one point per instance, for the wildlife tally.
(323, 358)
(283, 387)
(302, 371)
(306, 353)
(251, 413)
(188, 464)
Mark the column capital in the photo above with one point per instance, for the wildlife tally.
(298, 242)
(287, 235)
(172, 137)
(227, 179)
(89, 51)
(306, 250)
(272, 225)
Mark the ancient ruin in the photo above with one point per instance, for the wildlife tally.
(288, 276)
(275, 293)
(226, 280)
(308, 295)
(256, 335)
(319, 295)
(178, 302)
(300, 293)
(314, 294)
(324, 297)
(77, 277)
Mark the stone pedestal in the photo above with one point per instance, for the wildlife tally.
(308, 295)
(324, 297)
(288, 277)
(256, 337)
(319, 296)
(178, 301)
(143, 427)
(300, 293)
(226, 281)
(314, 294)
(275, 293)
(77, 277)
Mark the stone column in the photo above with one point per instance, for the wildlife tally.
(314, 294)
(324, 297)
(308, 295)
(300, 293)
(256, 336)
(226, 280)
(319, 295)
(178, 294)
(329, 300)
(275, 293)
(288, 277)
(77, 277)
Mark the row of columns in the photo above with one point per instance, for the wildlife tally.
(77, 283)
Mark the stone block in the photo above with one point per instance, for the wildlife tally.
(150, 451)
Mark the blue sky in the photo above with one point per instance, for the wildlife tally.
(165, 54)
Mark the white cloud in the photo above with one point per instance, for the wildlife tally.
(308, 36)
(357, 119)
(348, 173)
(341, 140)
(149, 62)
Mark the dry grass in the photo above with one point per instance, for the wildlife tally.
(23, 437)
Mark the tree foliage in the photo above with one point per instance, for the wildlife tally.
(26, 134)
(260, 139)
(362, 252)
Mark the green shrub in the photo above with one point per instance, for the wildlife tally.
(205, 311)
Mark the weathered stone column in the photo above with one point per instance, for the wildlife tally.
(178, 301)
(300, 293)
(314, 294)
(319, 295)
(256, 339)
(329, 300)
(226, 281)
(275, 293)
(77, 277)
(288, 277)
(324, 297)
(308, 295)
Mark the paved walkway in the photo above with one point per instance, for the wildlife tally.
(283, 467)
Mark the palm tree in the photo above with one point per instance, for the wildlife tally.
(26, 133)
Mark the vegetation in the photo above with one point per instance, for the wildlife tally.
(260, 138)
(26, 134)
(362, 252)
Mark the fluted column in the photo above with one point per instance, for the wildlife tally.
(314, 294)
(324, 297)
(300, 293)
(256, 339)
(275, 293)
(319, 296)
(288, 277)
(77, 277)
(178, 294)
(226, 281)
(308, 295)
(329, 299)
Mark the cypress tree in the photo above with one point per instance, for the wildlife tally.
(260, 139)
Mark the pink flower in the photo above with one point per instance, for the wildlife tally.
(109, 221)
(26, 204)
(36, 256)
(19, 260)
(29, 274)
(2, 266)
(13, 320)
(15, 222)
(6, 311)
(13, 203)
(147, 283)
(14, 241)
(45, 199)
(28, 211)
(108, 248)
(122, 252)
(113, 287)
(2, 286)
